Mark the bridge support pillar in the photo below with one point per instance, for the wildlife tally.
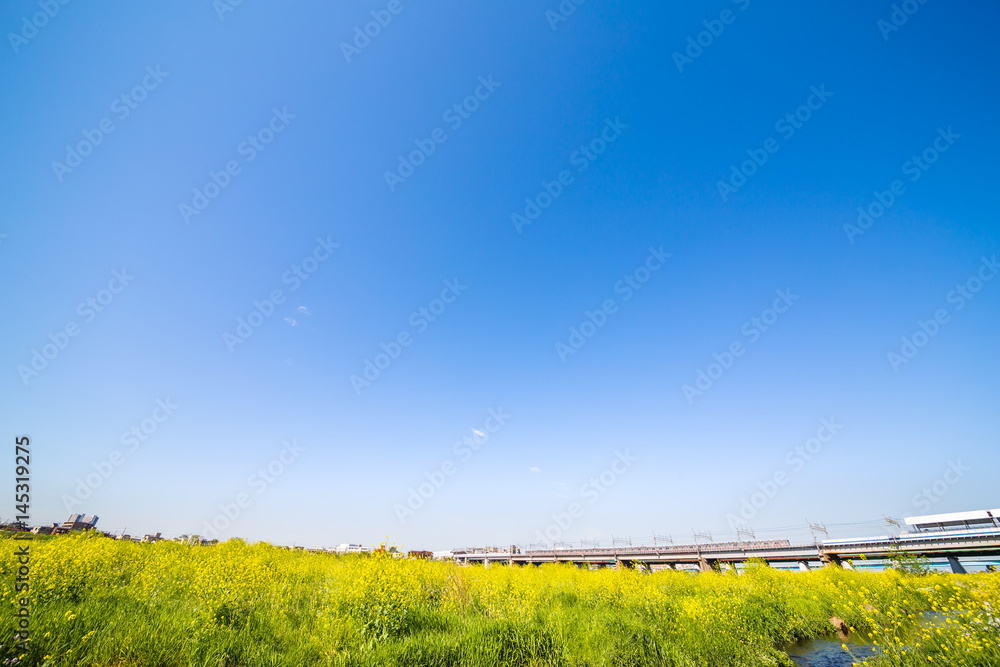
(803, 566)
(956, 566)
(831, 560)
(706, 565)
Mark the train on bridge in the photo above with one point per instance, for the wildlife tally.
(951, 536)
(673, 548)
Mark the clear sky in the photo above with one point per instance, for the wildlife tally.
(633, 230)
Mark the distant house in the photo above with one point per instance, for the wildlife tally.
(425, 555)
(46, 530)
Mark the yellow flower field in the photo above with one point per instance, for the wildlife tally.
(97, 601)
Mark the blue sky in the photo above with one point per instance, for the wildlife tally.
(203, 84)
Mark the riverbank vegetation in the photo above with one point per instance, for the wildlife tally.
(97, 601)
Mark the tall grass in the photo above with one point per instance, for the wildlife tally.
(96, 601)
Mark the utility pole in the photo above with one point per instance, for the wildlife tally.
(702, 534)
(817, 528)
(662, 539)
(744, 530)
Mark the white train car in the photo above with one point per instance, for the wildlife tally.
(962, 522)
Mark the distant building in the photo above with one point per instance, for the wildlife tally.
(79, 522)
(425, 555)
(149, 539)
(350, 549)
(46, 530)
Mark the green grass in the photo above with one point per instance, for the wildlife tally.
(97, 601)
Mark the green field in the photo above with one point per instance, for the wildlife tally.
(97, 601)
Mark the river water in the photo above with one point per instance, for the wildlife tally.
(827, 653)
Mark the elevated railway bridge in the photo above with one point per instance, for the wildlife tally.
(948, 536)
